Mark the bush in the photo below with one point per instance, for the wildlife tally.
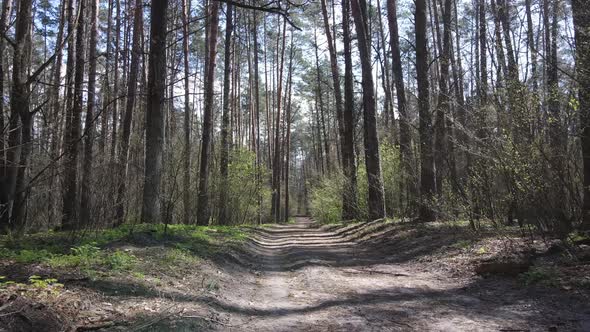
(325, 201)
(121, 261)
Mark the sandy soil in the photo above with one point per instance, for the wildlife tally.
(305, 278)
(374, 276)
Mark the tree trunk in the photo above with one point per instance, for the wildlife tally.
(203, 213)
(104, 117)
(5, 170)
(288, 130)
(154, 131)
(186, 200)
(427, 182)
(70, 196)
(386, 82)
(18, 150)
(257, 100)
(116, 93)
(443, 107)
(223, 190)
(319, 104)
(85, 202)
(350, 188)
(404, 126)
(581, 12)
(4, 18)
(276, 165)
(127, 119)
(348, 201)
(376, 198)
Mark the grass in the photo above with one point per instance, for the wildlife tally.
(99, 253)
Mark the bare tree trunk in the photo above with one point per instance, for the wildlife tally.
(203, 212)
(5, 169)
(581, 12)
(104, 121)
(123, 155)
(257, 99)
(320, 105)
(347, 200)
(386, 82)
(276, 165)
(532, 47)
(288, 131)
(461, 135)
(348, 155)
(223, 191)
(404, 126)
(553, 96)
(85, 202)
(115, 115)
(4, 18)
(18, 152)
(55, 109)
(376, 197)
(441, 152)
(187, 115)
(427, 183)
(70, 196)
(154, 131)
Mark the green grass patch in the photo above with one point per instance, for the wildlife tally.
(95, 253)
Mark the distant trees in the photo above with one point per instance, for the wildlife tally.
(479, 108)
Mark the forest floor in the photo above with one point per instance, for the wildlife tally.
(377, 276)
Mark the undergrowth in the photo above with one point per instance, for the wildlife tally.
(99, 252)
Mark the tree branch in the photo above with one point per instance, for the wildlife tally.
(266, 8)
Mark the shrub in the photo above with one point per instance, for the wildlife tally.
(326, 199)
(121, 261)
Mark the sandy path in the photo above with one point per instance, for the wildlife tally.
(301, 277)
(308, 279)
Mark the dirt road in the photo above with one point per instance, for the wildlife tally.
(310, 279)
(301, 277)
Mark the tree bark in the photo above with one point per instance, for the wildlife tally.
(154, 131)
(427, 183)
(203, 213)
(70, 196)
(85, 201)
(4, 18)
(116, 93)
(404, 126)
(123, 155)
(223, 191)
(320, 105)
(288, 130)
(443, 107)
(19, 138)
(186, 201)
(376, 198)
(350, 188)
(276, 165)
(5, 191)
(348, 201)
(581, 12)
(257, 100)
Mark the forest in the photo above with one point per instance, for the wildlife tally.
(287, 165)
